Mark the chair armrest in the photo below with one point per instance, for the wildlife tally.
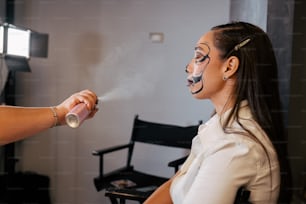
(110, 149)
(176, 163)
(101, 153)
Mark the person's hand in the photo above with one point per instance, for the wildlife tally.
(86, 96)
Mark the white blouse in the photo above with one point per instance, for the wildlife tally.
(220, 163)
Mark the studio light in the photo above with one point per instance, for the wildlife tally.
(18, 42)
(1, 39)
(18, 45)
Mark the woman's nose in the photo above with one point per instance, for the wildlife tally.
(189, 67)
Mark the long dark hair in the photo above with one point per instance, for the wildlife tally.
(257, 82)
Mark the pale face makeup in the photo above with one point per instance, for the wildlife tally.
(197, 67)
(206, 70)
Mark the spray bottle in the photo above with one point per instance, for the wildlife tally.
(77, 115)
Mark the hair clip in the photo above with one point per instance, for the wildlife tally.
(241, 44)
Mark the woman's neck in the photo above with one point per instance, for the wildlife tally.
(223, 103)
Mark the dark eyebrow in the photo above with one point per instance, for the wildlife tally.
(199, 48)
(204, 43)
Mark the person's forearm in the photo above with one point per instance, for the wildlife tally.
(161, 195)
(18, 122)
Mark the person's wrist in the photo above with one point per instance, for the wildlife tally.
(55, 116)
(61, 112)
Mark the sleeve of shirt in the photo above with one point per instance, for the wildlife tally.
(228, 166)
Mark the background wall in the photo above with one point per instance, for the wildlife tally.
(250, 11)
(297, 116)
(2, 11)
(105, 46)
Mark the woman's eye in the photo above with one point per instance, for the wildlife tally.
(198, 57)
(201, 58)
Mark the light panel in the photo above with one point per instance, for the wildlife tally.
(18, 42)
(1, 39)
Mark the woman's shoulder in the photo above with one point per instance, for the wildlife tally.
(238, 145)
(236, 139)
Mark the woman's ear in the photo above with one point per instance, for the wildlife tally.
(231, 66)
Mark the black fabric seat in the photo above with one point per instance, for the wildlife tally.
(124, 176)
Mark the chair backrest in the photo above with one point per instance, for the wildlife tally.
(163, 134)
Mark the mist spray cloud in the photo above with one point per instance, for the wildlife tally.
(129, 86)
(133, 77)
